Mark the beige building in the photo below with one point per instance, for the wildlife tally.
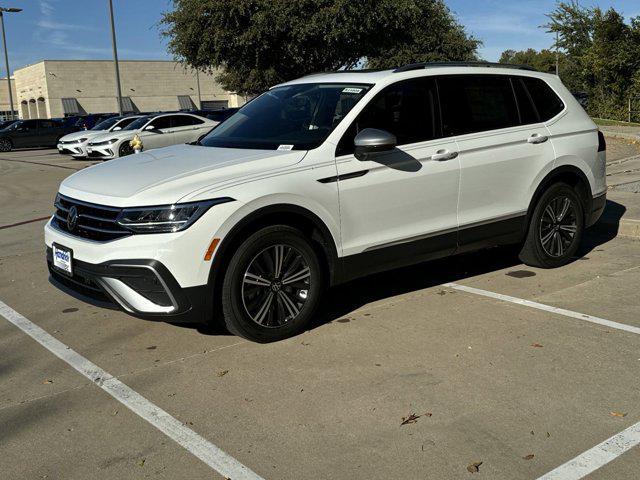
(5, 109)
(58, 88)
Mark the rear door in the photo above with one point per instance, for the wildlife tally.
(502, 147)
(187, 128)
(399, 206)
(48, 132)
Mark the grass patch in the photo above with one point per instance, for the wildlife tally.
(605, 122)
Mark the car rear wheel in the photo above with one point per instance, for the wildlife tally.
(272, 286)
(555, 229)
(5, 145)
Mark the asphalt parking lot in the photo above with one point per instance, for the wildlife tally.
(486, 386)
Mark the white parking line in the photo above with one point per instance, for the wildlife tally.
(596, 457)
(221, 462)
(548, 308)
(610, 449)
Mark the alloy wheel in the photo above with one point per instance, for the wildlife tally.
(5, 145)
(275, 285)
(558, 226)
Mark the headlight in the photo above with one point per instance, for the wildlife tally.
(166, 218)
(107, 142)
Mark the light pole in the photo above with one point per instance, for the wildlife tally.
(115, 58)
(6, 55)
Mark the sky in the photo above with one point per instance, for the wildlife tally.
(79, 29)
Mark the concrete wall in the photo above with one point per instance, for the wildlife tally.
(151, 85)
(4, 97)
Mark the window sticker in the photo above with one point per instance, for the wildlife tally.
(351, 90)
(285, 147)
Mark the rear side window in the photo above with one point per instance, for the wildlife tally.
(476, 103)
(408, 109)
(546, 101)
(47, 124)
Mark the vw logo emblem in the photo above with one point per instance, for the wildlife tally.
(72, 218)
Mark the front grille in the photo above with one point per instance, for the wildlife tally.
(95, 222)
(97, 154)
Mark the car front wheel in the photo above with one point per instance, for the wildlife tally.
(5, 145)
(555, 228)
(272, 286)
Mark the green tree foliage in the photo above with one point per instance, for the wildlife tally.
(258, 43)
(602, 55)
(543, 60)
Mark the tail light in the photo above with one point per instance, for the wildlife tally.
(602, 144)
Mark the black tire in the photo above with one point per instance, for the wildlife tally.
(125, 149)
(243, 301)
(553, 238)
(5, 145)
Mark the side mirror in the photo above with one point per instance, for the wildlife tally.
(371, 140)
(115, 129)
(150, 128)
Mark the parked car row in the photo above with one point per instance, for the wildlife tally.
(81, 135)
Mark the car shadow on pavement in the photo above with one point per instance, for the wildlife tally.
(345, 299)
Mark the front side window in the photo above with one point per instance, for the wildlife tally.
(292, 117)
(408, 109)
(138, 123)
(476, 103)
(162, 123)
(25, 125)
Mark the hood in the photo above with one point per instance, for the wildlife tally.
(89, 134)
(120, 134)
(167, 175)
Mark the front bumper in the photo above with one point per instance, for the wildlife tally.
(74, 149)
(102, 151)
(141, 287)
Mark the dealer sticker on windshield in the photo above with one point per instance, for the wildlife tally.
(351, 90)
(285, 147)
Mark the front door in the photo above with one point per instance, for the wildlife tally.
(161, 135)
(399, 206)
(25, 135)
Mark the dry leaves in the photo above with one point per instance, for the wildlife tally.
(474, 467)
(413, 418)
(222, 373)
(618, 414)
(536, 345)
(529, 457)
(46, 382)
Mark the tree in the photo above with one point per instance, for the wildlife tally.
(543, 60)
(602, 55)
(259, 43)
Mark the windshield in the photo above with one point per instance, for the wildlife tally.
(292, 117)
(138, 124)
(106, 124)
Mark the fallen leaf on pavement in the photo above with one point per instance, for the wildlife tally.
(152, 347)
(529, 457)
(474, 467)
(222, 373)
(412, 418)
(536, 345)
(618, 414)
(45, 382)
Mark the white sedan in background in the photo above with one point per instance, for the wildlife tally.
(155, 131)
(75, 144)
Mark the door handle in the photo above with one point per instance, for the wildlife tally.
(537, 138)
(443, 155)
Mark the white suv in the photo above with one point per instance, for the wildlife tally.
(327, 178)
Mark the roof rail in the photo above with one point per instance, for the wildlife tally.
(419, 66)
